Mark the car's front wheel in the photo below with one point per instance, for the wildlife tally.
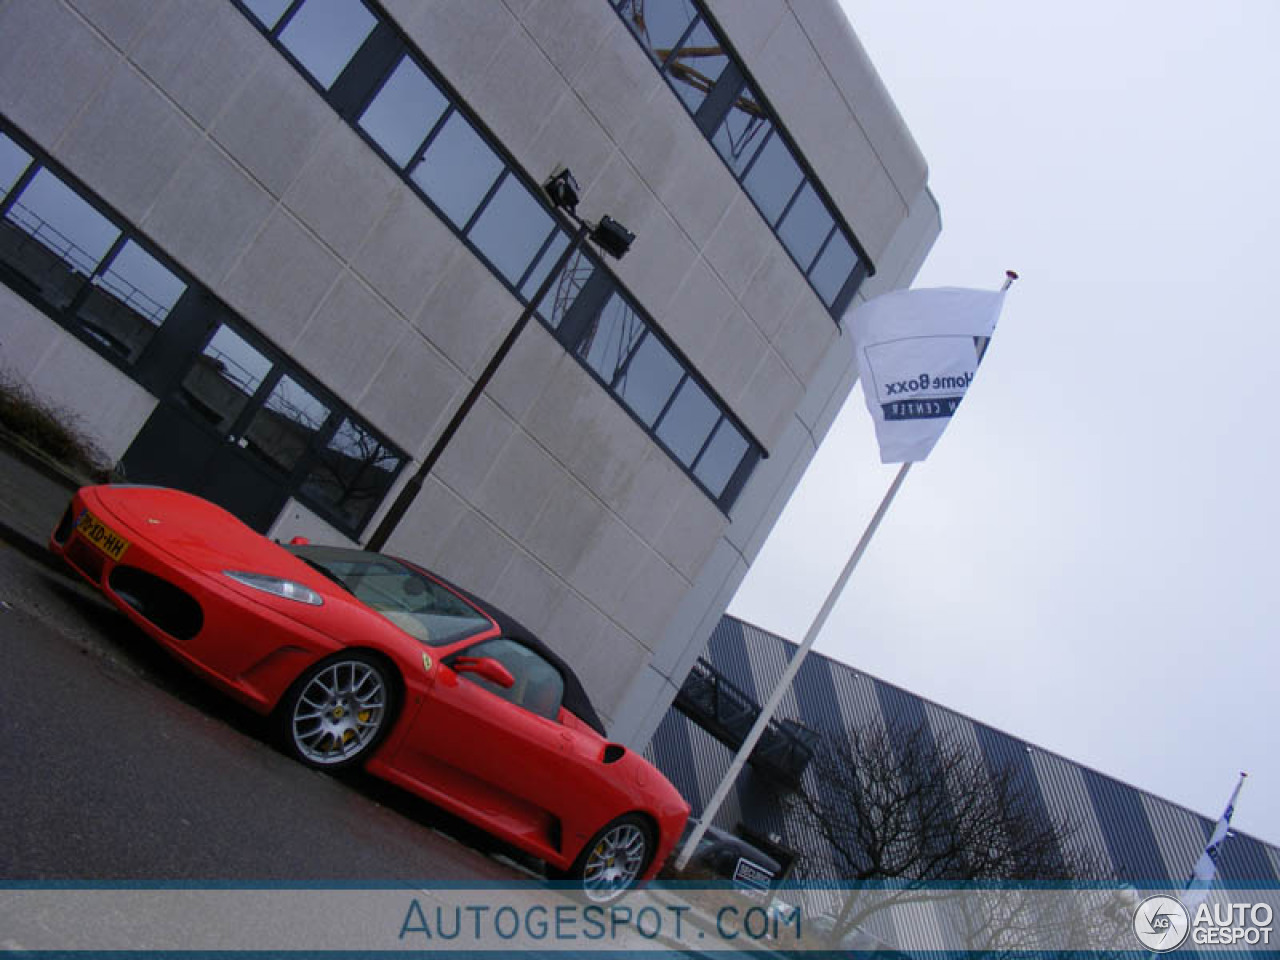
(615, 858)
(337, 711)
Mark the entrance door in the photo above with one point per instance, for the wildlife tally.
(234, 431)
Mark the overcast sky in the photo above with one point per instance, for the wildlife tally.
(1088, 558)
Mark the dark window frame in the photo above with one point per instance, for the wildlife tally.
(178, 342)
(389, 57)
(715, 107)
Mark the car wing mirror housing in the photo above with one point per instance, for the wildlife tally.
(486, 668)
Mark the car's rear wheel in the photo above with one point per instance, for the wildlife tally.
(338, 710)
(615, 858)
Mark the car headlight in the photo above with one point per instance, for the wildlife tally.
(277, 587)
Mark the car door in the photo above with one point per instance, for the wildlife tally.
(499, 751)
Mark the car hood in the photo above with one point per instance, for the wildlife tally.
(198, 532)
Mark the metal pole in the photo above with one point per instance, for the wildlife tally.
(404, 499)
(767, 711)
(775, 698)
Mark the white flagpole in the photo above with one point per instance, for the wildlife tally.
(784, 684)
(1207, 866)
(766, 712)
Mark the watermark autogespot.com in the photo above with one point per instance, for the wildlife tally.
(462, 919)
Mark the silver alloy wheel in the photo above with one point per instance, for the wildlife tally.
(339, 712)
(614, 862)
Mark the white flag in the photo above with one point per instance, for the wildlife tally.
(917, 352)
(1207, 866)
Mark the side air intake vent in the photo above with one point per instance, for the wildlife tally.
(613, 753)
(171, 609)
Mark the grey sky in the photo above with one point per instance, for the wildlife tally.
(1087, 560)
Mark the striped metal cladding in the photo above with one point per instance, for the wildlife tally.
(1135, 836)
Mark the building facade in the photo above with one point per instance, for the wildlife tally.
(1127, 834)
(264, 250)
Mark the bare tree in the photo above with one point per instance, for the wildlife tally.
(912, 817)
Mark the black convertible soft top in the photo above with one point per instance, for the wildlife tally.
(575, 698)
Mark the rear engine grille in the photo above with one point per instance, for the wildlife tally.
(158, 601)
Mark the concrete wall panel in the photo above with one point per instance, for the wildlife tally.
(129, 142)
(51, 65)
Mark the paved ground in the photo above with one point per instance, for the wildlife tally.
(121, 767)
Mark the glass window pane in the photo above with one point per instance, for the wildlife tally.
(687, 423)
(721, 458)
(548, 260)
(352, 474)
(403, 112)
(744, 128)
(512, 229)
(650, 377)
(805, 226)
(457, 170)
(282, 430)
(694, 69)
(415, 603)
(833, 268)
(773, 178)
(658, 23)
(325, 34)
(129, 299)
(267, 12)
(13, 164)
(223, 378)
(610, 338)
(557, 301)
(538, 685)
(54, 238)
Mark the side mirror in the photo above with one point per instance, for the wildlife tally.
(487, 668)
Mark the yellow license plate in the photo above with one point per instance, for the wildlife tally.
(101, 536)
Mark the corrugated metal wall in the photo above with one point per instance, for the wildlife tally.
(1139, 837)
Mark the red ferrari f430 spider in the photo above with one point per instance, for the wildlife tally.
(364, 659)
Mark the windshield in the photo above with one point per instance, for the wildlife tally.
(416, 604)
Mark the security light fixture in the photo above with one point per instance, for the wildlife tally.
(562, 188)
(612, 237)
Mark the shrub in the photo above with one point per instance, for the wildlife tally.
(49, 430)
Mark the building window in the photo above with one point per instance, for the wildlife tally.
(286, 425)
(458, 170)
(613, 340)
(696, 66)
(648, 379)
(223, 378)
(68, 255)
(76, 262)
(408, 114)
(687, 423)
(689, 50)
(129, 299)
(323, 35)
(352, 472)
(659, 25)
(512, 230)
(404, 112)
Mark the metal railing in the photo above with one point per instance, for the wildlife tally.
(713, 702)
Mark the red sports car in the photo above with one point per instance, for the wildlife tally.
(362, 658)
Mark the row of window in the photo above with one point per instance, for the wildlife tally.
(385, 89)
(62, 249)
(692, 55)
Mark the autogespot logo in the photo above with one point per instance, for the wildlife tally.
(1161, 923)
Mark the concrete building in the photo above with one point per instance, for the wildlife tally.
(1128, 834)
(265, 249)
